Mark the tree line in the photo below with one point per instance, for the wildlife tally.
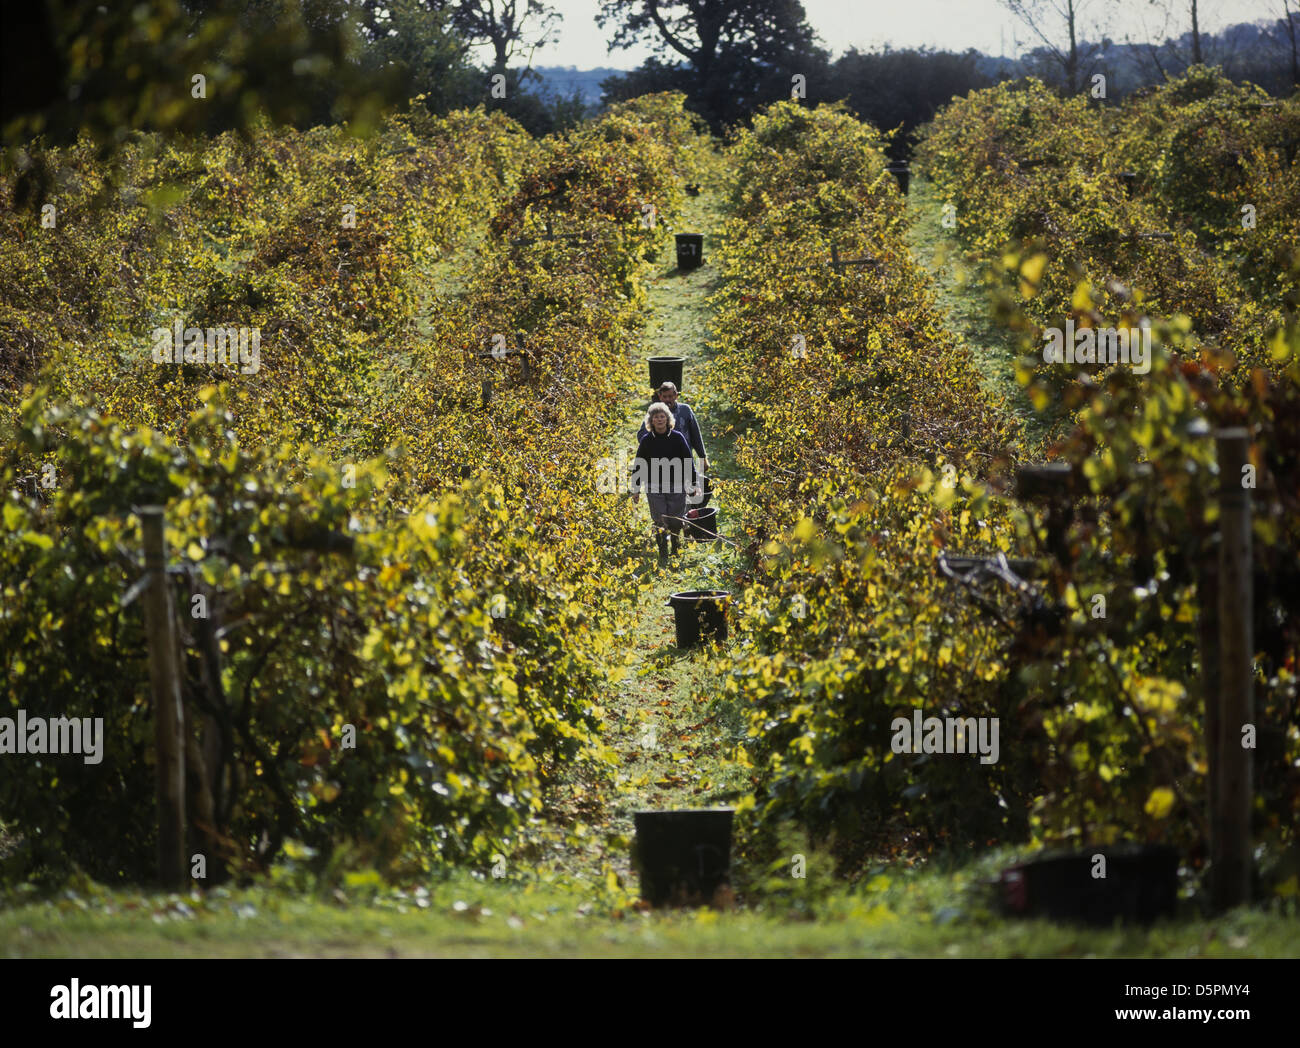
(313, 62)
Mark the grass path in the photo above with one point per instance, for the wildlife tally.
(672, 735)
(965, 303)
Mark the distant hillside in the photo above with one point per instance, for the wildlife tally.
(1247, 51)
(565, 80)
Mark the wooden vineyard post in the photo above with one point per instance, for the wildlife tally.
(169, 716)
(1044, 480)
(1207, 596)
(838, 264)
(500, 354)
(523, 357)
(1231, 821)
(550, 234)
(1052, 484)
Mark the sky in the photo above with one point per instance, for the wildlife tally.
(870, 24)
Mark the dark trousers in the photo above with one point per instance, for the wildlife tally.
(666, 506)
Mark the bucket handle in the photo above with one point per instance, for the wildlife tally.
(690, 520)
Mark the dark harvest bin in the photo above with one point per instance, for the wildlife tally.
(699, 615)
(683, 857)
(903, 173)
(666, 369)
(690, 250)
(703, 527)
(1140, 886)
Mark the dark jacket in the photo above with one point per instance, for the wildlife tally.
(685, 423)
(664, 464)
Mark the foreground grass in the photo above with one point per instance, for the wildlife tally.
(918, 913)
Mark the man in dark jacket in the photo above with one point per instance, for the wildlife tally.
(684, 422)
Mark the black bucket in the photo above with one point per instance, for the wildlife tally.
(1140, 886)
(699, 615)
(683, 857)
(666, 369)
(703, 527)
(690, 250)
(903, 173)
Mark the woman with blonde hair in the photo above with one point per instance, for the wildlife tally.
(662, 469)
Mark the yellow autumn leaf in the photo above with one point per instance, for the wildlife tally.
(1160, 803)
(1032, 268)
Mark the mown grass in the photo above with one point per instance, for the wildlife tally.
(672, 734)
(933, 912)
(964, 298)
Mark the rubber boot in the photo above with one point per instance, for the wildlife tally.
(677, 544)
(662, 539)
